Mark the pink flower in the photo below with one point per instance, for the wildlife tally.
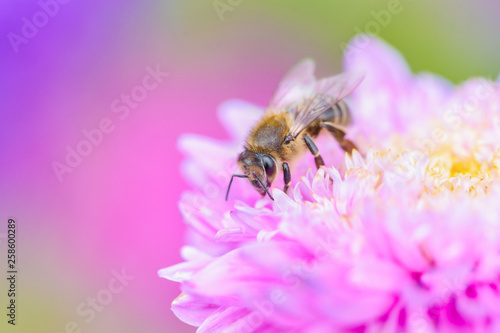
(404, 238)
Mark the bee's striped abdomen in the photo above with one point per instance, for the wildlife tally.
(338, 114)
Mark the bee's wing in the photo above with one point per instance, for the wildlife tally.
(297, 83)
(328, 92)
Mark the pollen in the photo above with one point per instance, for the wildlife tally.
(470, 173)
(468, 166)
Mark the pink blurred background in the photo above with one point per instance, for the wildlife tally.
(118, 208)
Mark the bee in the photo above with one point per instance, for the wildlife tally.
(299, 110)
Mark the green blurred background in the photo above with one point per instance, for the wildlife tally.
(456, 39)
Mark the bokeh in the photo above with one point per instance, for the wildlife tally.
(92, 177)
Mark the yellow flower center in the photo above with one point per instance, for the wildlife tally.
(465, 166)
(472, 173)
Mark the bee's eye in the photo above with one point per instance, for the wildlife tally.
(269, 166)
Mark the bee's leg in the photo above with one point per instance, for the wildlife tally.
(339, 135)
(315, 151)
(287, 176)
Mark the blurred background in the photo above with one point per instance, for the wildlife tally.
(65, 73)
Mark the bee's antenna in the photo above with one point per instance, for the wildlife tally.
(264, 186)
(229, 187)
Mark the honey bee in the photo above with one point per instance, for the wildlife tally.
(299, 110)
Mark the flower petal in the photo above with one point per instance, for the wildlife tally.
(238, 117)
(192, 311)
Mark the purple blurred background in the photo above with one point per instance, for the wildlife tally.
(115, 209)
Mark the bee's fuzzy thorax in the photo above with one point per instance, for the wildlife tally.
(268, 134)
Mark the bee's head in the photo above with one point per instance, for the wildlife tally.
(260, 169)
